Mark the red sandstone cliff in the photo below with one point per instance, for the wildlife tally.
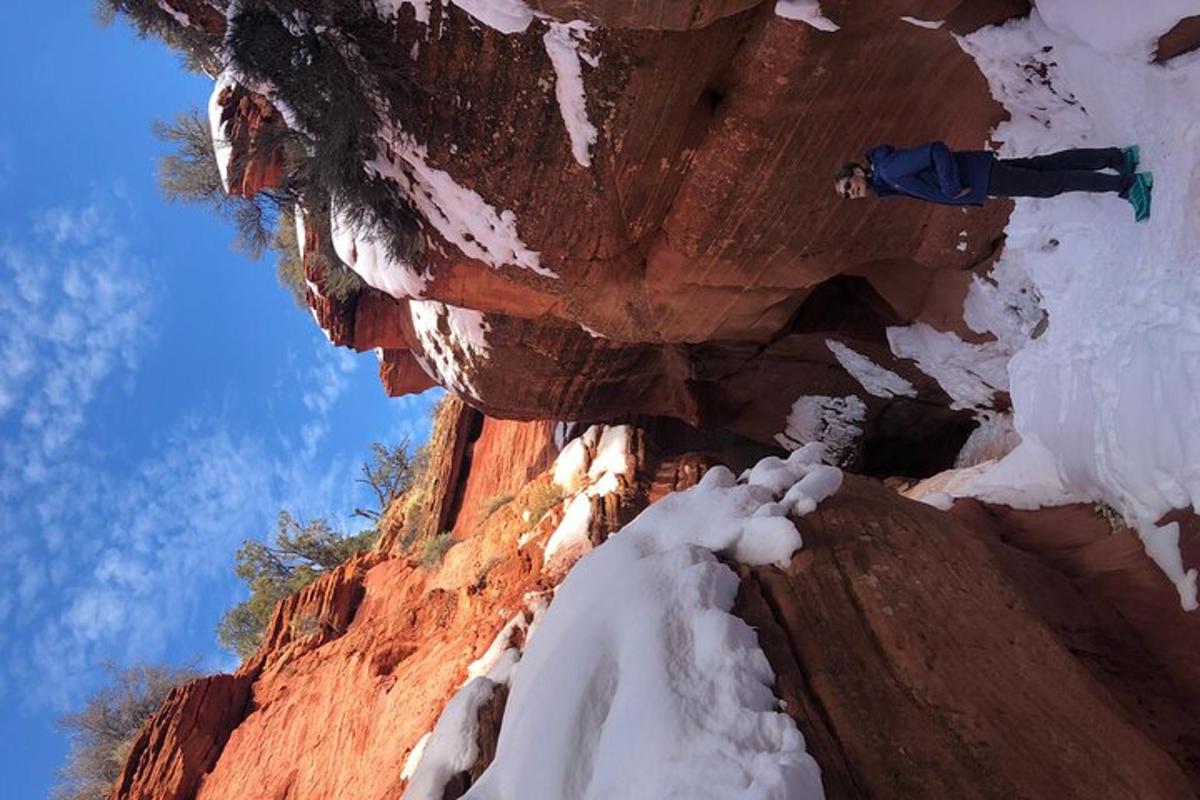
(701, 261)
(980, 653)
(983, 653)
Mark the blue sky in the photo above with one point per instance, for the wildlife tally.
(161, 397)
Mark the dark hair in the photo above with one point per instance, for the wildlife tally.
(847, 170)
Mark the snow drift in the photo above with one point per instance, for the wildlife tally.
(639, 682)
(1105, 401)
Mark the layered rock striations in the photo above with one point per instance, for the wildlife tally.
(692, 251)
(630, 219)
(921, 654)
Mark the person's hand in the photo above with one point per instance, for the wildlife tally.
(966, 191)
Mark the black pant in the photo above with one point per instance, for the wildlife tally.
(1056, 173)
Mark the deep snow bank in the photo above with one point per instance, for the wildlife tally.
(639, 682)
(1105, 401)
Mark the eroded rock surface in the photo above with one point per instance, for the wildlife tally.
(980, 653)
(700, 254)
(924, 657)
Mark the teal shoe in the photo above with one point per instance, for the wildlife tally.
(1139, 195)
(1133, 157)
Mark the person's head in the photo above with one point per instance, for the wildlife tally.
(851, 181)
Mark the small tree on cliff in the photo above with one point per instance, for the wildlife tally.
(302, 552)
(388, 474)
(103, 731)
(198, 49)
(339, 282)
(317, 69)
(190, 175)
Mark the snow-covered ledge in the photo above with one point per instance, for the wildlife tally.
(638, 681)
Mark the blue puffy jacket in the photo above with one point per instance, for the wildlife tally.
(931, 172)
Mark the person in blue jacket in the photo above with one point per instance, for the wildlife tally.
(934, 173)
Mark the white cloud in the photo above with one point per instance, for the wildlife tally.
(324, 384)
(78, 318)
(112, 556)
(141, 550)
(414, 419)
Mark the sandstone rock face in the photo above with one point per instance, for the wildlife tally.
(199, 14)
(335, 712)
(247, 118)
(921, 660)
(697, 265)
(1091, 580)
(981, 653)
(183, 740)
(1183, 38)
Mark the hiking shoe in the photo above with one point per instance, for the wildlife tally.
(1133, 157)
(1139, 195)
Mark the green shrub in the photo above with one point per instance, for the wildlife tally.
(313, 58)
(334, 102)
(388, 474)
(190, 175)
(197, 49)
(301, 554)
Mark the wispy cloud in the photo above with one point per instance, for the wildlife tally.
(78, 317)
(113, 556)
(164, 531)
(324, 383)
(142, 549)
(74, 318)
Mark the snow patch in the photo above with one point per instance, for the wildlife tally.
(562, 41)
(970, 373)
(459, 214)
(807, 11)
(502, 655)
(453, 745)
(930, 24)
(570, 539)
(1116, 26)
(595, 464)
(639, 682)
(298, 214)
(1104, 401)
(592, 333)
(835, 422)
(571, 465)
(222, 146)
(874, 378)
(505, 16)
(364, 249)
(414, 758)
(613, 456)
(180, 17)
(454, 341)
